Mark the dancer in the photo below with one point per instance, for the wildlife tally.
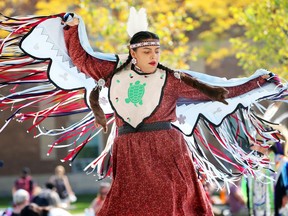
(152, 171)
(148, 153)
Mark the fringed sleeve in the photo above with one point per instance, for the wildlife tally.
(185, 91)
(220, 137)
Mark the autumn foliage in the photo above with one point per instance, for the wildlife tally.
(254, 31)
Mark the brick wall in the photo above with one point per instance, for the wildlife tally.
(18, 149)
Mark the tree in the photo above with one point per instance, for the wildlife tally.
(15, 8)
(257, 29)
(106, 24)
(265, 42)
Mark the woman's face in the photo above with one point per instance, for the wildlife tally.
(147, 58)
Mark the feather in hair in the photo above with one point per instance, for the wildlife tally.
(137, 21)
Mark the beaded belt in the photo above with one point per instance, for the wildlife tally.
(155, 126)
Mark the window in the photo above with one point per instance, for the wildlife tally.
(90, 151)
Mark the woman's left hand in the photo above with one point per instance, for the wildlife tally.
(273, 78)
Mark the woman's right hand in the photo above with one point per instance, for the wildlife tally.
(70, 20)
(74, 22)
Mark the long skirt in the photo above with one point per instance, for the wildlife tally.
(153, 175)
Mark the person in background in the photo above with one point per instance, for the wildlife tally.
(21, 198)
(99, 200)
(48, 196)
(25, 181)
(281, 167)
(236, 200)
(63, 187)
(36, 210)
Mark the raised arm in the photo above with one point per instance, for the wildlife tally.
(246, 87)
(185, 91)
(90, 65)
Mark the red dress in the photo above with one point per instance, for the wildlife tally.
(152, 171)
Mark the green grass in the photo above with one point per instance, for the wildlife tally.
(5, 202)
(83, 201)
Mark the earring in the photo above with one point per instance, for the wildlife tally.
(134, 61)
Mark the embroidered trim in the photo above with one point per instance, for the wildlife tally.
(139, 71)
(145, 43)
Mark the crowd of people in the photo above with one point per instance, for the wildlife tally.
(53, 199)
(29, 199)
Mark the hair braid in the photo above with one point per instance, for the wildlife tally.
(125, 64)
(169, 70)
(121, 67)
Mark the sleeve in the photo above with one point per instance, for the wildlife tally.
(96, 68)
(185, 91)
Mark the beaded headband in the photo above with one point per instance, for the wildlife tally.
(145, 43)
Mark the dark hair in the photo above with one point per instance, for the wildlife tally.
(142, 36)
(26, 171)
(49, 185)
(34, 210)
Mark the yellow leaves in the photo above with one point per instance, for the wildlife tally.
(223, 25)
(160, 6)
(14, 7)
(96, 20)
(214, 9)
(6, 11)
(190, 24)
(54, 6)
(256, 28)
(105, 45)
(3, 34)
(265, 41)
(20, 1)
(119, 4)
(180, 50)
(214, 59)
(106, 23)
(168, 58)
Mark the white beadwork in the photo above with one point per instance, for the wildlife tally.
(145, 43)
(177, 75)
(134, 61)
(101, 82)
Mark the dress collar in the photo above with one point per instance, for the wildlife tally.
(139, 71)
